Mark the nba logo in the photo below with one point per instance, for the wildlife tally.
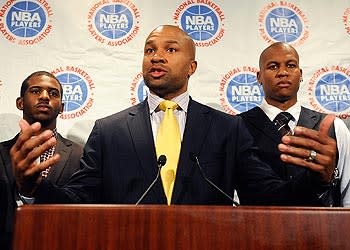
(283, 22)
(77, 91)
(27, 21)
(114, 24)
(240, 91)
(114, 21)
(202, 22)
(333, 92)
(139, 90)
(329, 90)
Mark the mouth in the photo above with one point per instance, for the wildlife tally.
(43, 107)
(284, 84)
(157, 72)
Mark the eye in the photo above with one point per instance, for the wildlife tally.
(54, 93)
(171, 50)
(35, 91)
(272, 67)
(291, 65)
(149, 51)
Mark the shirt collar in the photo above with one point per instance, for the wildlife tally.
(272, 111)
(181, 100)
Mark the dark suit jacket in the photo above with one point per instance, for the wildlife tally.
(59, 174)
(279, 183)
(119, 161)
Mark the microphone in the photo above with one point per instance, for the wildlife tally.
(161, 162)
(194, 158)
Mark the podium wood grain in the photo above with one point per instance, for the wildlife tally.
(102, 227)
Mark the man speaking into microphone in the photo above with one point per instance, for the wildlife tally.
(119, 164)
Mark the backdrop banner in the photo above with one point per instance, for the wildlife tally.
(95, 48)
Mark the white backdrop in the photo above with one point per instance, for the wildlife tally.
(95, 48)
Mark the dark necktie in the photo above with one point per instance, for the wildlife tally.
(47, 154)
(281, 123)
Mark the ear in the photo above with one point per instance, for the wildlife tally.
(258, 77)
(62, 106)
(192, 69)
(301, 75)
(19, 103)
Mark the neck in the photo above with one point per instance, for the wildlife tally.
(282, 105)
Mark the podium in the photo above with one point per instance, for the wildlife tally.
(153, 227)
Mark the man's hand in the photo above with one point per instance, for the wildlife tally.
(297, 149)
(24, 154)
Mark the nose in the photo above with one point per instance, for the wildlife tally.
(158, 57)
(282, 71)
(44, 94)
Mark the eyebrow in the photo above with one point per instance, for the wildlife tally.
(168, 41)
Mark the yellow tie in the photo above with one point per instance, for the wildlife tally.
(168, 144)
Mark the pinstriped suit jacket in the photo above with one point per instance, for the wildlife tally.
(280, 184)
(119, 161)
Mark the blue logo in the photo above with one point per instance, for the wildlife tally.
(329, 90)
(74, 91)
(114, 24)
(26, 21)
(203, 22)
(114, 21)
(240, 91)
(333, 92)
(139, 90)
(283, 22)
(77, 93)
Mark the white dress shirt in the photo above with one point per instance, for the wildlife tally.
(157, 114)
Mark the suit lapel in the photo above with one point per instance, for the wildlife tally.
(259, 120)
(198, 122)
(64, 149)
(141, 133)
(307, 118)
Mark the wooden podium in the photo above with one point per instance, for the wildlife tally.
(112, 227)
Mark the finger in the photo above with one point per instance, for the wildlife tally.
(33, 148)
(303, 154)
(27, 131)
(326, 124)
(325, 174)
(38, 168)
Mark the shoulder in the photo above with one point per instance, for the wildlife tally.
(69, 143)
(256, 111)
(7, 145)
(122, 115)
(217, 116)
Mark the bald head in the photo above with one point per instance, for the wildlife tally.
(179, 33)
(276, 46)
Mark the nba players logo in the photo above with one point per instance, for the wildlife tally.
(329, 90)
(240, 91)
(138, 89)
(25, 22)
(202, 20)
(346, 20)
(114, 24)
(77, 91)
(283, 22)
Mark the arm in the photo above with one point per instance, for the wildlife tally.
(28, 147)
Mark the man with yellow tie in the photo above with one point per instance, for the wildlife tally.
(203, 146)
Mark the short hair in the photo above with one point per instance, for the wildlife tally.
(25, 86)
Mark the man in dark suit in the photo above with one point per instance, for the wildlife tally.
(120, 156)
(312, 185)
(41, 101)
